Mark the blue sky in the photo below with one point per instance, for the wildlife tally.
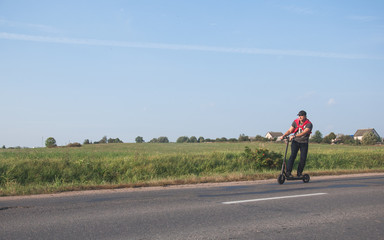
(76, 70)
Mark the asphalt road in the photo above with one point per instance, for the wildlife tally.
(325, 208)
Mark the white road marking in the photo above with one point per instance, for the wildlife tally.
(274, 198)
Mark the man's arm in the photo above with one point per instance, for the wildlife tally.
(290, 130)
(306, 131)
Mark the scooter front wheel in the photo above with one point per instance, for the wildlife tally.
(281, 179)
(306, 178)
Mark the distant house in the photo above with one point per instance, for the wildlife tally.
(360, 133)
(273, 135)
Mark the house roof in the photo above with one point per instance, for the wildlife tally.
(361, 132)
(275, 134)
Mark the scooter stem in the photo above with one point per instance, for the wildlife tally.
(284, 167)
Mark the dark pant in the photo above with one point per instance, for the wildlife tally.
(295, 147)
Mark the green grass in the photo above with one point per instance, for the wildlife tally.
(32, 171)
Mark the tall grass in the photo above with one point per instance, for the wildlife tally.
(27, 171)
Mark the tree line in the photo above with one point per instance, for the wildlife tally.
(368, 139)
(332, 138)
(51, 142)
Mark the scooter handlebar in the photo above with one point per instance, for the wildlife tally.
(288, 138)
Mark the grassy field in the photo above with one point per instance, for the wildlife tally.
(47, 170)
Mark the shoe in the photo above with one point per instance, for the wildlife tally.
(299, 175)
(288, 175)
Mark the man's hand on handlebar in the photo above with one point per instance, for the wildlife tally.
(288, 137)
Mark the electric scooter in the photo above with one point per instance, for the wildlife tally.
(282, 177)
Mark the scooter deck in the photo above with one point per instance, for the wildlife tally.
(295, 178)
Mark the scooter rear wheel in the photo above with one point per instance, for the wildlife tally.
(281, 179)
(306, 178)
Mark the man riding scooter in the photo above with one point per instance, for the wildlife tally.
(301, 128)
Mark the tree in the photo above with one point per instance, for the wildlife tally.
(86, 141)
(3, 147)
(260, 138)
(329, 138)
(193, 139)
(114, 140)
(163, 140)
(154, 140)
(223, 139)
(50, 142)
(103, 140)
(201, 140)
(139, 139)
(318, 137)
(183, 139)
(243, 138)
(370, 138)
(347, 139)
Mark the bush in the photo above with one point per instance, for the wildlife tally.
(370, 138)
(50, 142)
(347, 139)
(263, 158)
(76, 144)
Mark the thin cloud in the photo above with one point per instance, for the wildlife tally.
(299, 10)
(307, 95)
(37, 27)
(364, 18)
(331, 102)
(180, 47)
